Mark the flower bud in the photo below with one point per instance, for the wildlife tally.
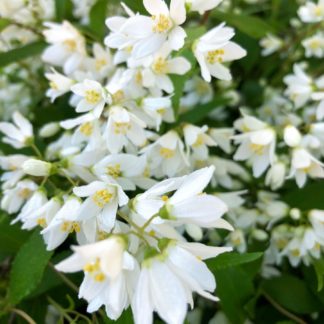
(295, 213)
(276, 176)
(292, 136)
(37, 168)
(260, 235)
(49, 130)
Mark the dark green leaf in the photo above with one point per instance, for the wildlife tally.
(250, 25)
(232, 259)
(21, 53)
(28, 268)
(319, 269)
(291, 293)
(200, 112)
(11, 236)
(98, 14)
(4, 23)
(63, 9)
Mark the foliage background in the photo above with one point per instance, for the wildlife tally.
(29, 282)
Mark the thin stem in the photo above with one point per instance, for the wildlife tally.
(125, 218)
(74, 184)
(148, 222)
(36, 150)
(65, 279)
(61, 310)
(24, 315)
(140, 236)
(283, 310)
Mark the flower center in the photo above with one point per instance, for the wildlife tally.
(25, 193)
(92, 96)
(166, 153)
(71, 45)
(215, 56)
(160, 66)
(93, 268)
(315, 44)
(319, 10)
(118, 96)
(295, 252)
(53, 85)
(100, 63)
(86, 129)
(114, 170)
(121, 128)
(70, 227)
(162, 23)
(199, 141)
(102, 197)
(257, 148)
(42, 222)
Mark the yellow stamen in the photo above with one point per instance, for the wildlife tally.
(215, 56)
(114, 170)
(86, 129)
(166, 153)
(160, 66)
(102, 197)
(42, 222)
(162, 23)
(121, 128)
(92, 97)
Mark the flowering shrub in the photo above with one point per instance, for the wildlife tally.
(152, 149)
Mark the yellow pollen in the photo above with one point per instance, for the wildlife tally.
(102, 197)
(319, 10)
(114, 170)
(100, 277)
(121, 128)
(200, 141)
(165, 198)
(53, 85)
(139, 78)
(236, 241)
(42, 222)
(281, 243)
(166, 153)
(25, 193)
(118, 96)
(70, 227)
(92, 266)
(151, 233)
(215, 56)
(160, 66)
(100, 63)
(295, 252)
(86, 129)
(317, 246)
(315, 44)
(70, 44)
(147, 172)
(162, 23)
(92, 97)
(161, 111)
(257, 148)
(129, 49)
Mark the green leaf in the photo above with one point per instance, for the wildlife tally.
(200, 112)
(21, 53)
(11, 236)
(250, 25)
(235, 289)
(63, 9)
(232, 259)
(98, 14)
(292, 293)
(136, 6)
(28, 268)
(319, 269)
(4, 23)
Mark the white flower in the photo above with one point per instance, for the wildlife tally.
(49, 129)
(13, 166)
(110, 274)
(123, 127)
(275, 177)
(299, 86)
(198, 141)
(222, 136)
(59, 84)
(37, 168)
(94, 97)
(43, 215)
(316, 218)
(14, 198)
(270, 44)
(202, 5)
(18, 134)
(257, 144)
(121, 168)
(68, 46)
(303, 164)
(188, 205)
(146, 35)
(312, 12)
(63, 223)
(157, 69)
(197, 91)
(100, 206)
(314, 45)
(167, 281)
(215, 48)
(292, 136)
(166, 156)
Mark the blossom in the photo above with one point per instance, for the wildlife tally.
(270, 44)
(18, 134)
(202, 5)
(257, 144)
(214, 48)
(94, 97)
(311, 12)
(37, 168)
(167, 281)
(146, 35)
(59, 84)
(314, 45)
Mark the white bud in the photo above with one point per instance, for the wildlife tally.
(49, 130)
(292, 136)
(37, 168)
(276, 176)
(194, 231)
(295, 213)
(260, 235)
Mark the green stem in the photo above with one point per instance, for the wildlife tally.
(24, 315)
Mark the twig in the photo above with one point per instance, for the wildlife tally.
(24, 315)
(65, 279)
